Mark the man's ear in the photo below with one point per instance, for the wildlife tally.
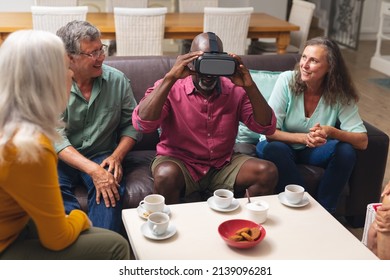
(71, 58)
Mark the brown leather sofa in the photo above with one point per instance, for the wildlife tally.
(364, 186)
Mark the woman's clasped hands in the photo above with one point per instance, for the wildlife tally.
(317, 136)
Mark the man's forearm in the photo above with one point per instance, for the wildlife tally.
(75, 159)
(125, 145)
(151, 107)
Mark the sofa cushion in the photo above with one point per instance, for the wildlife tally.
(139, 179)
(265, 81)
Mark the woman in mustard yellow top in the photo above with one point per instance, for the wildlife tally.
(34, 85)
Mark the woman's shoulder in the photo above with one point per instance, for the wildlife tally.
(284, 81)
(46, 142)
(12, 152)
(285, 77)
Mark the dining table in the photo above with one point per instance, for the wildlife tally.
(177, 26)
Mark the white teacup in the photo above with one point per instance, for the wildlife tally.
(223, 198)
(153, 203)
(158, 222)
(257, 211)
(294, 193)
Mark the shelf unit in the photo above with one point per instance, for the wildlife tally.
(380, 62)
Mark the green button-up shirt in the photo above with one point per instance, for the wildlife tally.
(95, 127)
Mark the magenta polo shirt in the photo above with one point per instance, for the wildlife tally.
(201, 132)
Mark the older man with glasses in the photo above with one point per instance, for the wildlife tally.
(99, 131)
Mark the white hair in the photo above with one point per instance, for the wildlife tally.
(33, 91)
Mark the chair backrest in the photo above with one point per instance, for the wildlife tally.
(235, 3)
(110, 4)
(301, 14)
(191, 6)
(230, 25)
(139, 31)
(52, 18)
(61, 3)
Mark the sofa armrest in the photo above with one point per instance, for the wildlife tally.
(367, 177)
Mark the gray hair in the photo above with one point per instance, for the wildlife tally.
(33, 91)
(76, 31)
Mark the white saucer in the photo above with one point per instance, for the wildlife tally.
(144, 214)
(149, 234)
(235, 204)
(283, 200)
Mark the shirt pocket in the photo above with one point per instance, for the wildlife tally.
(226, 128)
(109, 119)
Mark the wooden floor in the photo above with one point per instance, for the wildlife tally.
(374, 105)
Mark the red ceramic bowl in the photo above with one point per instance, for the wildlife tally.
(228, 228)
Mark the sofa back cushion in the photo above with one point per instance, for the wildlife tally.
(142, 71)
(265, 81)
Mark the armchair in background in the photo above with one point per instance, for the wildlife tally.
(111, 4)
(231, 25)
(139, 31)
(190, 6)
(50, 18)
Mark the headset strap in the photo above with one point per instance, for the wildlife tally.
(213, 42)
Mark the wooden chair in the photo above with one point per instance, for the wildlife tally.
(230, 25)
(139, 31)
(52, 18)
(110, 4)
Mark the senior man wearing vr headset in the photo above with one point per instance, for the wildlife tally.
(197, 106)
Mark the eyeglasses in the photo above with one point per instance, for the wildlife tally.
(96, 54)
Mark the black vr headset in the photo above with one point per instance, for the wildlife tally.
(215, 63)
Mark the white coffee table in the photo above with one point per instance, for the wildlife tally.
(309, 232)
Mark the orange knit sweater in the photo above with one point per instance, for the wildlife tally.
(31, 191)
